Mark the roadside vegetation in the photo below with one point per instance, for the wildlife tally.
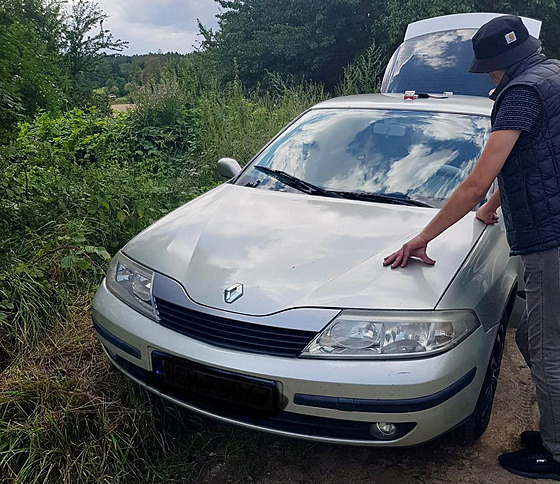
(76, 188)
(77, 183)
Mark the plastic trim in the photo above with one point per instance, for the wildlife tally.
(119, 343)
(386, 406)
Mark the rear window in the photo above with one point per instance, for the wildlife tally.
(436, 63)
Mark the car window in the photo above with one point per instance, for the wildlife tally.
(418, 155)
(436, 63)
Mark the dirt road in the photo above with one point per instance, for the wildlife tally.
(270, 460)
(122, 108)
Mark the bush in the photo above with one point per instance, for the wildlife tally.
(76, 188)
(74, 194)
(364, 74)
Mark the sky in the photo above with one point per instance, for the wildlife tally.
(149, 25)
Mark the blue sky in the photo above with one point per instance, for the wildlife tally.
(149, 25)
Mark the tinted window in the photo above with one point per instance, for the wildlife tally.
(419, 155)
(436, 63)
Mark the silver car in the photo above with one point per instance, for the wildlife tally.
(264, 303)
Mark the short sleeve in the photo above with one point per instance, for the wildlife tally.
(520, 109)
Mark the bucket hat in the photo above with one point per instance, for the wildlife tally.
(500, 43)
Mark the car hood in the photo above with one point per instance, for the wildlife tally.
(294, 250)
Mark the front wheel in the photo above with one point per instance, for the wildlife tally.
(476, 424)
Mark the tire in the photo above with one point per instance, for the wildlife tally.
(476, 424)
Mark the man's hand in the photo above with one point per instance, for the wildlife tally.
(487, 212)
(487, 215)
(415, 247)
(465, 197)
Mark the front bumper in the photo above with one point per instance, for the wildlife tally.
(325, 400)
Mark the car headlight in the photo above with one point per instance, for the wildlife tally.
(392, 334)
(132, 283)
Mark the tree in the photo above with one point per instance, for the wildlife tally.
(32, 74)
(85, 50)
(311, 39)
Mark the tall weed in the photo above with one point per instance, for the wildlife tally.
(364, 74)
(164, 132)
(235, 124)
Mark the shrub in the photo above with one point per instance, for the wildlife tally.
(72, 196)
(364, 74)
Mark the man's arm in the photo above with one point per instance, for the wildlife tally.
(470, 192)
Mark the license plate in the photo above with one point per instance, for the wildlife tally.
(244, 392)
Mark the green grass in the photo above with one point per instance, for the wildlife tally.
(77, 187)
(67, 416)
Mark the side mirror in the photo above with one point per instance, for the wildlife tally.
(228, 168)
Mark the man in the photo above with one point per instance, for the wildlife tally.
(523, 151)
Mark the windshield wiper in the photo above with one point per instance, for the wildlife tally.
(311, 189)
(296, 183)
(376, 197)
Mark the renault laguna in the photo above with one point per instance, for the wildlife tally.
(264, 303)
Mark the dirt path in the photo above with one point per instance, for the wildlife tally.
(122, 108)
(270, 460)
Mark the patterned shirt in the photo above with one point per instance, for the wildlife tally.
(520, 109)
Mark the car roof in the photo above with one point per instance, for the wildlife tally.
(473, 105)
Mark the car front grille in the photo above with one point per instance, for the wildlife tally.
(233, 334)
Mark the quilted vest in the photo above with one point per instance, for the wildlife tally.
(530, 178)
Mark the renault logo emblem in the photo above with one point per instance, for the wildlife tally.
(233, 293)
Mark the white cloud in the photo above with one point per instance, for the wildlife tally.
(150, 25)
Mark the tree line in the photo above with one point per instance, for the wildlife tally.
(48, 57)
(53, 60)
(315, 39)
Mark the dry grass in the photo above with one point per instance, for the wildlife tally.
(67, 416)
(122, 108)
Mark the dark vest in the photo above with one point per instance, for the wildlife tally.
(530, 178)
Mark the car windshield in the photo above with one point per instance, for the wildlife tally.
(411, 155)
